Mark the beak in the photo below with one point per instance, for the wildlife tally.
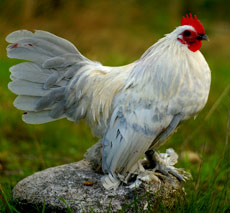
(203, 37)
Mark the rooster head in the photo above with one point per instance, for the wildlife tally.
(192, 33)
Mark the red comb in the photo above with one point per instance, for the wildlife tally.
(193, 22)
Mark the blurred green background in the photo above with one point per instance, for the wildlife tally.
(116, 33)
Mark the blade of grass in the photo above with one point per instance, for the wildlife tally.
(227, 128)
(226, 140)
(67, 206)
(200, 168)
(109, 208)
(1, 196)
(10, 207)
(126, 207)
(4, 198)
(44, 206)
(135, 200)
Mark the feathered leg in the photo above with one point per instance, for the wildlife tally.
(157, 163)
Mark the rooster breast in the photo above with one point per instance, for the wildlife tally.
(195, 86)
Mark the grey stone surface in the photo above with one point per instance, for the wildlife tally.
(69, 182)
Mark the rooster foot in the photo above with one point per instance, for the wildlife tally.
(152, 169)
(163, 163)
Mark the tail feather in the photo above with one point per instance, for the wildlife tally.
(27, 53)
(41, 84)
(39, 117)
(30, 72)
(55, 41)
(23, 87)
(58, 109)
(40, 46)
(17, 35)
(52, 97)
(26, 103)
(62, 61)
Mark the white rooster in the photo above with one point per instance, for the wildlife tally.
(134, 108)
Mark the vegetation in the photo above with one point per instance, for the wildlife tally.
(115, 34)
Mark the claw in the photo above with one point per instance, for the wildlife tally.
(164, 164)
(167, 170)
(177, 175)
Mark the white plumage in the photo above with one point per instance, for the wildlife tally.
(134, 108)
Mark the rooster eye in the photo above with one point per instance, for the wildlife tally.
(187, 33)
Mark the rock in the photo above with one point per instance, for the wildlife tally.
(78, 187)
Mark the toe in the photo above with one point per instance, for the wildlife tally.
(175, 174)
